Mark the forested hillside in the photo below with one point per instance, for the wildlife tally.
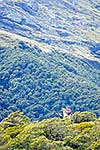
(49, 57)
(40, 83)
(82, 132)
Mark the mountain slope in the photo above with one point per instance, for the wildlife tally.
(49, 56)
(71, 25)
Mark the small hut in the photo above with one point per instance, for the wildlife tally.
(67, 112)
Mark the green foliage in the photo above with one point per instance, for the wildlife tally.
(40, 143)
(40, 84)
(81, 126)
(48, 134)
(57, 129)
(83, 117)
(80, 142)
(95, 146)
(15, 118)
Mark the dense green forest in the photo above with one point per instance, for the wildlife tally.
(81, 132)
(40, 84)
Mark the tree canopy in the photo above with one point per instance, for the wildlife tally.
(48, 134)
(40, 84)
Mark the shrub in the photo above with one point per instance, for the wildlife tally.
(83, 117)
